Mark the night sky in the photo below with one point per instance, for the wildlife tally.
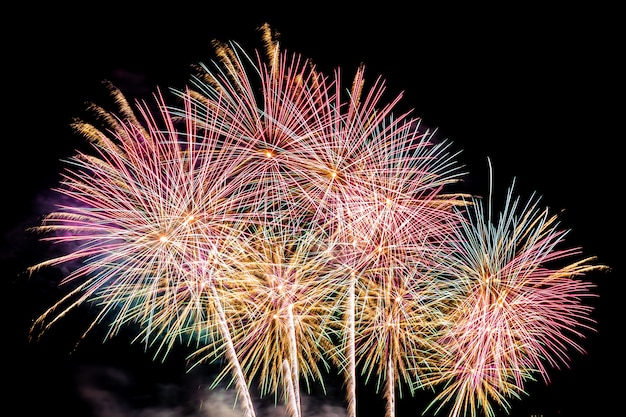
(539, 91)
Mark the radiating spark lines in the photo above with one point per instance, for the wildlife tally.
(285, 226)
(517, 315)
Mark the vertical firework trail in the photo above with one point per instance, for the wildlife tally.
(284, 226)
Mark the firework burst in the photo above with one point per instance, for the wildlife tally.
(282, 226)
(372, 179)
(150, 214)
(520, 306)
(282, 308)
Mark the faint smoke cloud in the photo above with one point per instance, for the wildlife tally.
(114, 392)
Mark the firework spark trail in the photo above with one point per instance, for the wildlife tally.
(515, 313)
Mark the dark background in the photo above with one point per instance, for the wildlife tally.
(538, 90)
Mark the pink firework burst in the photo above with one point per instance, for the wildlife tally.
(519, 306)
(150, 215)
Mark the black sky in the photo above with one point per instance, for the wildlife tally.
(537, 90)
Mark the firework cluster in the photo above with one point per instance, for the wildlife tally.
(285, 225)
